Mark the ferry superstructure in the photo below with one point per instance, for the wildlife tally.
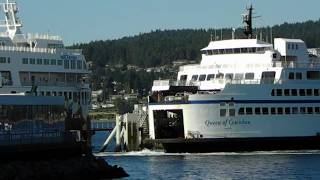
(246, 94)
(41, 64)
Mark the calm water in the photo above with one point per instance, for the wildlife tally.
(256, 165)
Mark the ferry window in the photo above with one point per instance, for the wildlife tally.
(298, 75)
(316, 92)
(310, 110)
(294, 110)
(291, 75)
(313, 75)
(54, 93)
(219, 76)
(32, 61)
(302, 92)
(42, 93)
(39, 61)
(274, 55)
(280, 110)
(287, 92)
(257, 110)
(24, 60)
(317, 110)
(60, 94)
(267, 77)
(279, 92)
(302, 110)
(53, 62)
(289, 45)
(209, 52)
(66, 64)
(48, 93)
(84, 65)
(229, 76)
(59, 62)
(248, 110)
(236, 50)
(210, 76)
(194, 78)
(273, 110)
(249, 76)
(221, 51)
(231, 104)
(287, 110)
(79, 64)
(294, 92)
(244, 50)
(183, 77)
(223, 112)
(232, 112)
(229, 51)
(202, 77)
(265, 110)
(222, 104)
(241, 111)
(6, 78)
(309, 92)
(8, 60)
(272, 92)
(73, 64)
(238, 76)
(46, 61)
(3, 60)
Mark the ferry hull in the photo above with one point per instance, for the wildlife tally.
(239, 144)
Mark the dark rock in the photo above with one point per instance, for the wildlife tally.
(88, 167)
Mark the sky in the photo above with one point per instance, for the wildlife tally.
(81, 21)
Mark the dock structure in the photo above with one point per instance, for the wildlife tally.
(129, 130)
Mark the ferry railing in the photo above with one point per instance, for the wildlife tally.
(27, 49)
(282, 64)
(217, 82)
(28, 137)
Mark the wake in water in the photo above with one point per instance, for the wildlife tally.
(147, 152)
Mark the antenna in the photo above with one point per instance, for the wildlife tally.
(247, 20)
(215, 34)
(271, 37)
(233, 33)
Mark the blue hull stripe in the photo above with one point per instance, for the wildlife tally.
(241, 102)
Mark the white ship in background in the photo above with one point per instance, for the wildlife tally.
(41, 64)
(245, 94)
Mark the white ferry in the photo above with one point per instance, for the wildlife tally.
(41, 64)
(245, 95)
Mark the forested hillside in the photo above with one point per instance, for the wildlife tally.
(159, 48)
(162, 47)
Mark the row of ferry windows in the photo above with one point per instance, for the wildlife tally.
(295, 92)
(235, 50)
(205, 77)
(73, 64)
(311, 75)
(272, 111)
(41, 61)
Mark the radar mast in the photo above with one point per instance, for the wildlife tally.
(247, 20)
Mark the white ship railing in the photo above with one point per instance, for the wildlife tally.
(44, 36)
(27, 49)
(282, 64)
(216, 81)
